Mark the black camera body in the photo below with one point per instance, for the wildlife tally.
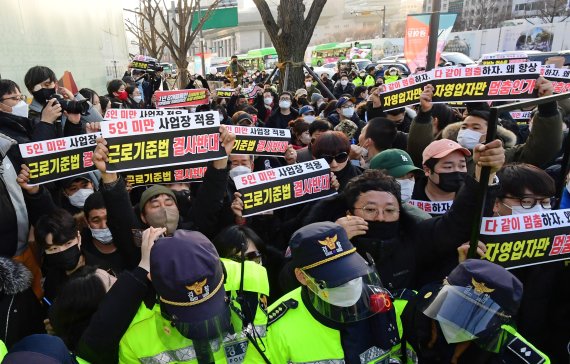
(154, 67)
(73, 107)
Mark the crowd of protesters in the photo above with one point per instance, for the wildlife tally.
(93, 270)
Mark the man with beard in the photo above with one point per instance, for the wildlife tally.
(405, 249)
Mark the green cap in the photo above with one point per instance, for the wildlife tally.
(395, 161)
(155, 190)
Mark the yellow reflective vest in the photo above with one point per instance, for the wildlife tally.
(295, 336)
(154, 340)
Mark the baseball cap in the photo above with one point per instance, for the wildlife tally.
(244, 116)
(155, 190)
(40, 349)
(487, 277)
(316, 97)
(343, 100)
(305, 109)
(440, 148)
(396, 162)
(300, 92)
(324, 251)
(188, 276)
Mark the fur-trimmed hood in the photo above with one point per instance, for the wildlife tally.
(508, 138)
(14, 277)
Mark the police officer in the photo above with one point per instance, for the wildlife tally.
(340, 314)
(370, 80)
(469, 318)
(210, 310)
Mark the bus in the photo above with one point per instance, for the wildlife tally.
(334, 52)
(258, 59)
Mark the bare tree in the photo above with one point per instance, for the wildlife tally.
(174, 28)
(549, 11)
(486, 14)
(291, 33)
(149, 43)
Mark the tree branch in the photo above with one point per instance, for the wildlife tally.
(268, 19)
(312, 18)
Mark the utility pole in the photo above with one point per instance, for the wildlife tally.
(433, 35)
(384, 22)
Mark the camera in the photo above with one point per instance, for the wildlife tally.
(73, 107)
(154, 67)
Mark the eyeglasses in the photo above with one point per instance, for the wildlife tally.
(16, 98)
(371, 212)
(339, 158)
(253, 256)
(529, 202)
(346, 106)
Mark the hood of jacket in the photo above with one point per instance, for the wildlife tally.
(5, 144)
(508, 138)
(14, 277)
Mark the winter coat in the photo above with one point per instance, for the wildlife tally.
(542, 145)
(20, 311)
(280, 121)
(99, 342)
(423, 250)
(339, 90)
(13, 213)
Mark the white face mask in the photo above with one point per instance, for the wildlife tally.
(345, 295)
(468, 138)
(268, 100)
(309, 118)
(79, 197)
(102, 235)
(344, 82)
(284, 104)
(20, 109)
(518, 209)
(308, 84)
(348, 112)
(407, 188)
(137, 99)
(239, 170)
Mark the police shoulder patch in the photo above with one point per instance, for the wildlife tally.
(281, 309)
(519, 351)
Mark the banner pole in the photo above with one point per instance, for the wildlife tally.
(433, 35)
(483, 187)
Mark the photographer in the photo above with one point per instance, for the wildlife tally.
(48, 104)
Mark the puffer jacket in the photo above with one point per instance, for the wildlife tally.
(20, 312)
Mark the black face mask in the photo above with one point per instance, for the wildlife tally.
(379, 241)
(452, 181)
(43, 95)
(66, 260)
(382, 230)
